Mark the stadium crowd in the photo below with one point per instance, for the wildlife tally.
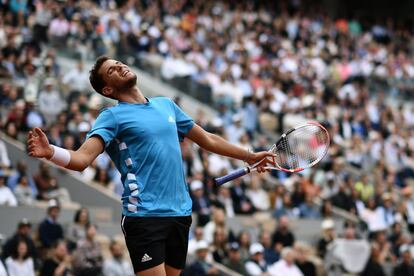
(268, 67)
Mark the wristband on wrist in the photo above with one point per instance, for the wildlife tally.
(60, 156)
(247, 156)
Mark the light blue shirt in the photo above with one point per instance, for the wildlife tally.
(143, 142)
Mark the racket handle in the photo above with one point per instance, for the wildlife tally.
(233, 175)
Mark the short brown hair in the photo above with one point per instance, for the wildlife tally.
(95, 78)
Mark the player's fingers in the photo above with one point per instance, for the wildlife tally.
(39, 132)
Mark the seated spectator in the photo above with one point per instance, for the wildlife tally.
(88, 259)
(286, 266)
(219, 220)
(374, 266)
(194, 239)
(308, 209)
(19, 262)
(45, 182)
(283, 237)
(117, 265)
(24, 192)
(7, 198)
(270, 254)
(50, 229)
(50, 102)
(234, 261)
(219, 245)
(405, 267)
(244, 241)
(225, 201)
(328, 236)
(201, 204)
(76, 230)
(302, 259)
(4, 157)
(22, 233)
(21, 169)
(201, 266)
(59, 262)
(257, 195)
(242, 204)
(256, 265)
(3, 270)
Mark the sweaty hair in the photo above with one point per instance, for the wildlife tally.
(95, 78)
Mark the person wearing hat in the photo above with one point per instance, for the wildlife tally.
(233, 260)
(201, 204)
(23, 230)
(256, 265)
(328, 236)
(201, 266)
(50, 229)
(286, 265)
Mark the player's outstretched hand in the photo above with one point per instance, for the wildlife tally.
(266, 158)
(38, 145)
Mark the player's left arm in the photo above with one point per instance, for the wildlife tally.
(218, 145)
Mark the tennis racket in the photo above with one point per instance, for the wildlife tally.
(297, 149)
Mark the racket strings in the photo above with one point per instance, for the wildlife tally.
(302, 148)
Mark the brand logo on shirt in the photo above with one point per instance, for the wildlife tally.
(145, 258)
(171, 119)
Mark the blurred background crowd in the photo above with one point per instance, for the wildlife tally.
(263, 67)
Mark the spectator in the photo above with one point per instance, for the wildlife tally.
(201, 204)
(219, 244)
(22, 233)
(244, 242)
(270, 254)
(308, 209)
(19, 262)
(76, 230)
(50, 103)
(219, 220)
(200, 266)
(328, 236)
(77, 79)
(59, 262)
(286, 265)
(24, 193)
(21, 169)
(4, 157)
(302, 259)
(257, 195)
(88, 257)
(197, 236)
(283, 237)
(242, 204)
(406, 267)
(49, 229)
(374, 265)
(117, 265)
(7, 198)
(256, 265)
(234, 261)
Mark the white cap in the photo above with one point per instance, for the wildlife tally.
(256, 248)
(49, 81)
(53, 203)
(327, 224)
(196, 184)
(200, 245)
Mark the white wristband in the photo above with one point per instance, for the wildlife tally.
(60, 156)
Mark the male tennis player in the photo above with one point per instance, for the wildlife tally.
(142, 138)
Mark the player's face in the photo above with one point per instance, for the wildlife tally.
(117, 75)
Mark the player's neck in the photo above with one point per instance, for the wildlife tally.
(133, 95)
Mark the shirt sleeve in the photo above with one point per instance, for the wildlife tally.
(105, 127)
(184, 122)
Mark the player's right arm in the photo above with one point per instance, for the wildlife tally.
(38, 146)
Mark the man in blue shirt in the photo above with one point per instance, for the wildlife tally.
(142, 138)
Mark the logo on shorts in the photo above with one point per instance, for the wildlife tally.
(145, 258)
(171, 119)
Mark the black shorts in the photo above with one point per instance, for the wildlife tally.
(155, 240)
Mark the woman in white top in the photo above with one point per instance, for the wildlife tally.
(19, 263)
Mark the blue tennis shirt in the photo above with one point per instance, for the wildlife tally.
(143, 142)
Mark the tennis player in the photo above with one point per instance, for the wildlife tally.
(142, 138)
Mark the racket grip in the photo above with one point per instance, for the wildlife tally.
(233, 175)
